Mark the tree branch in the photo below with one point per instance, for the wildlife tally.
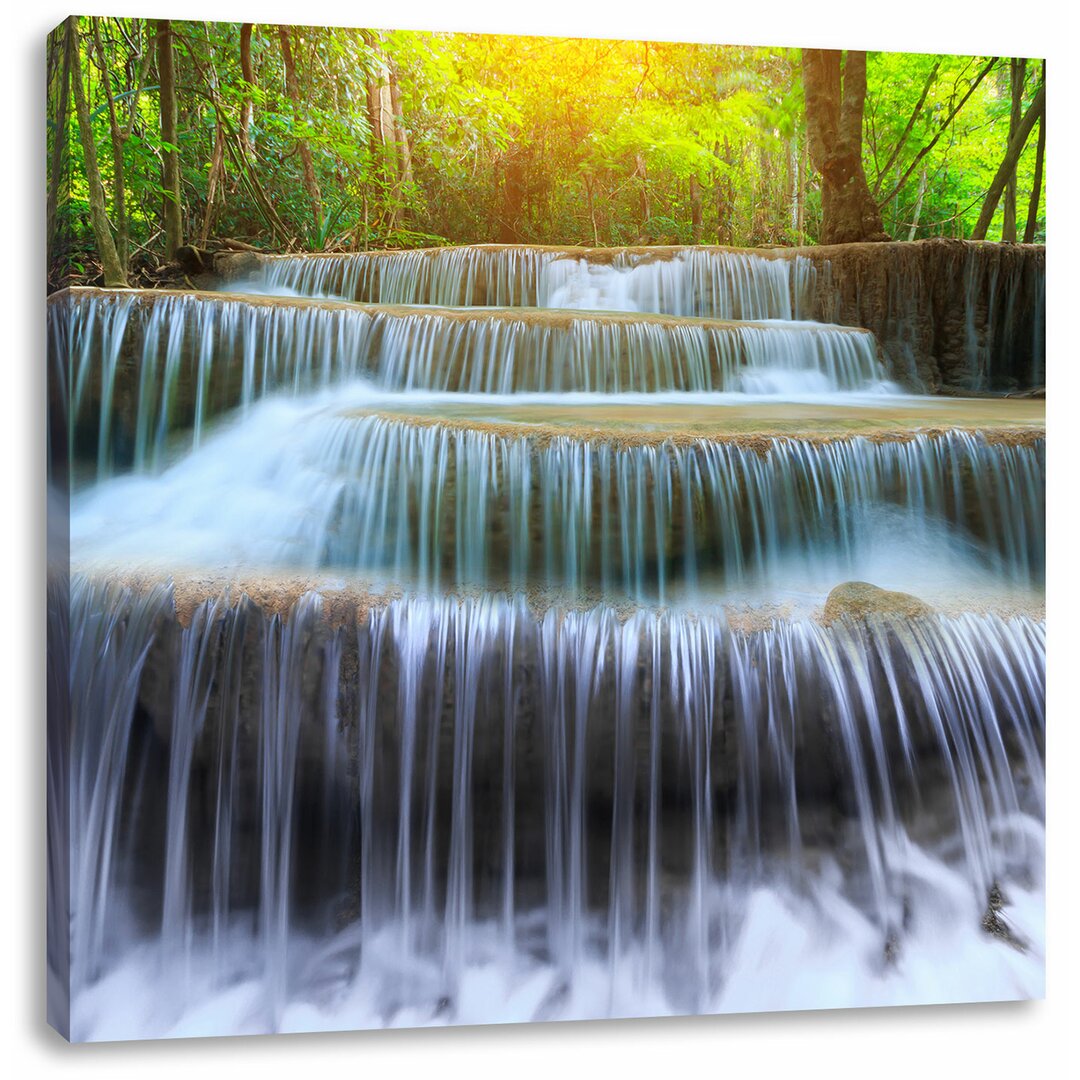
(941, 131)
(902, 141)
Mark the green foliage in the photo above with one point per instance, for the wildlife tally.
(545, 140)
(961, 166)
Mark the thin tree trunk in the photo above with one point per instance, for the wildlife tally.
(171, 216)
(59, 146)
(401, 138)
(311, 185)
(725, 198)
(641, 172)
(918, 205)
(801, 222)
(695, 210)
(115, 276)
(217, 160)
(1012, 156)
(761, 213)
(591, 205)
(247, 73)
(374, 113)
(217, 168)
(1017, 71)
(512, 195)
(119, 196)
(1036, 186)
(144, 70)
(792, 203)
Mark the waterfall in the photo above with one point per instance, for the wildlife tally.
(1003, 315)
(610, 811)
(453, 636)
(718, 284)
(945, 313)
(135, 369)
(470, 276)
(712, 283)
(451, 504)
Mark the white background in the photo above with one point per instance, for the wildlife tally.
(1000, 1041)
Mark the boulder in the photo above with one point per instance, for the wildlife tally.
(858, 599)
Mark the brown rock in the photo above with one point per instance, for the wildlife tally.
(858, 599)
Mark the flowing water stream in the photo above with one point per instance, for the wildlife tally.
(411, 682)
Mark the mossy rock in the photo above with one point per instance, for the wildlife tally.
(859, 599)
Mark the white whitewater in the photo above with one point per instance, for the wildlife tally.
(722, 285)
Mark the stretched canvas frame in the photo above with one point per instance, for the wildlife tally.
(463, 632)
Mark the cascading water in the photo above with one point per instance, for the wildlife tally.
(142, 367)
(454, 505)
(492, 680)
(578, 809)
(946, 313)
(719, 284)
(499, 277)
(712, 283)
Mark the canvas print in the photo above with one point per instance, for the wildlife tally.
(539, 528)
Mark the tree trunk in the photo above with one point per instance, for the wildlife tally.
(59, 144)
(918, 205)
(695, 210)
(641, 172)
(401, 138)
(115, 275)
(725, 198)
(513, 195)
(311, 185)
(1036, 187)
(1017, 71)
(801, 222)
(247, 73)
(835, 98)
(1005, 170)
(119, 196)
(171, 216)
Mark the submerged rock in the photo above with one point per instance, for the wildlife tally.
(858, 599)
(995, 924)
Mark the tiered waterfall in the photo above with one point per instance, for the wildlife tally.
(439, 638)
